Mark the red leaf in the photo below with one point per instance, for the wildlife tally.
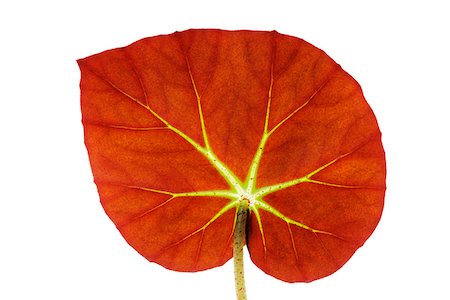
(181, 128)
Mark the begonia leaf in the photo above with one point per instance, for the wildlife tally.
(181, 128)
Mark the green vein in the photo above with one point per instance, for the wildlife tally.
(211, 193)
(199, 105)
(141, 83)
(280, 186)
(331, 162)
(300, 107)
(223, 210)
(264, 206)
(250, 181)
(254, 209)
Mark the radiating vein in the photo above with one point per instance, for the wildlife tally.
(251, 176)
(199, 105)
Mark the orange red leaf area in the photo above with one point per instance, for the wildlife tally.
(181, 129)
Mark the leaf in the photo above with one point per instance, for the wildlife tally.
(181, 128)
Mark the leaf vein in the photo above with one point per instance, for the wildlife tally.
(199, 105)
(224, 209)
(321, 86)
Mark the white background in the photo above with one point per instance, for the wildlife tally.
(57, 243)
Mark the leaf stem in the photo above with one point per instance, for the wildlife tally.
(238, 249)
